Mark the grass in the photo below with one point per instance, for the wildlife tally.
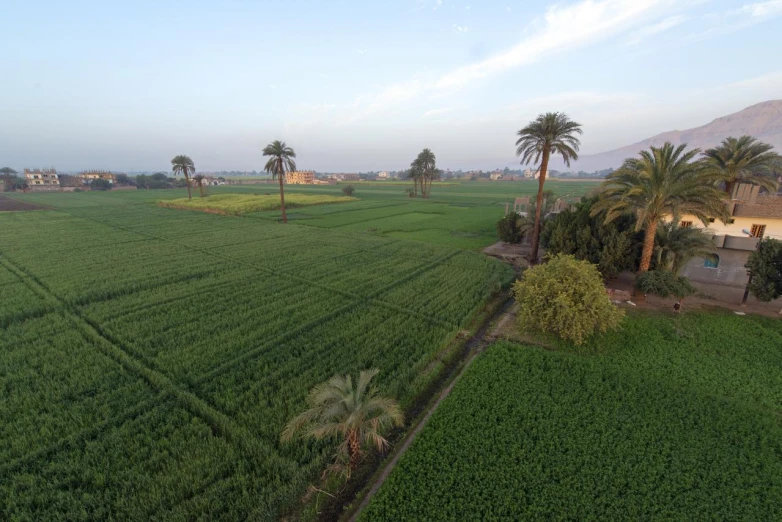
(240, 204)
(670, 419)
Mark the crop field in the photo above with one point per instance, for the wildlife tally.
(240, 204)
(669, 419)
(150, 357)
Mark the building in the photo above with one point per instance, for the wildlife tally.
(88, 176)
(382, 175)
(300, 177)
(41, 177)
(494, 176)
(347, 177)
(753, 217)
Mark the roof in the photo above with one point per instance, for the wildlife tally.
(764, 207)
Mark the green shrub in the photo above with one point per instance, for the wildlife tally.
(664, 284)
(765, 265)
(348, 190)
(512, 228)
(565, 297)
(100, 184)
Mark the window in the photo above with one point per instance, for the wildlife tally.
(757, 231)
(711, 261)
(685, 224)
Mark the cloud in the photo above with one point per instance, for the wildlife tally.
(762, 9)
(460, 28)
(651, 30)
(361, 51)
(574, 99)
(438, 112)
(733, 20)
(437, 4)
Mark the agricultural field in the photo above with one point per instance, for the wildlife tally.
(150, 356)
(672, 418)
(240, 204)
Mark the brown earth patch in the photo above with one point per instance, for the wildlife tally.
(14, 205)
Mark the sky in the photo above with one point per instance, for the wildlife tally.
(365, 85)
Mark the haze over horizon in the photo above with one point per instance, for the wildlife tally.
(366, 85)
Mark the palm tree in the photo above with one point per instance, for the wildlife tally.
(416, 175)
(280, 162)
(550, 133)
(355, 414)
(199, 181)
(676, 245)
(744, 160)
(661, 182)
(183, 165)
(8, 172)
(426, 163)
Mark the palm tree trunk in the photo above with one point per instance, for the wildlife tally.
(646, 253)
(282, 194)
(539, 207)
(729, 188)
(187, 182)
(354, 448)
(201, 188)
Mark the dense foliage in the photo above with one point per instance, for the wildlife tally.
(150, 357)
(613, 247)
(512, 228)
(100, 184)
(664, 283)
(676, 419)
(765, 265)
(565, 297)
(348, 190)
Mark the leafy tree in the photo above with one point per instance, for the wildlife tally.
(184, 165)
(199, 181)
(664, 283)
(565, 297)
(744, 160)
(550, 133)
(765, 265)
(100, 184)
(8, 173)
(281, 160)
(123, 179)
(614, 247)
(353, 413)
(662, 182)
(675, 246)
(348, 190)
(512, 228)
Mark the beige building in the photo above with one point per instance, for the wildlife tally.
(41, 177)
(302, 177)
(753, 217)
(88, 176)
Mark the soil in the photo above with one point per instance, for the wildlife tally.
(14, 205)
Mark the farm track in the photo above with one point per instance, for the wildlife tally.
(474, 346)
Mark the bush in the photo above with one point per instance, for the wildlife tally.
(664, 284)
(565, 297)
(100, 184)
(765, 265)
(512, 228)
(348, 190)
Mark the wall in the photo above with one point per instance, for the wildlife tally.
(729, 271)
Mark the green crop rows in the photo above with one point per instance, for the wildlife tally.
(669, 419)
(149, 357)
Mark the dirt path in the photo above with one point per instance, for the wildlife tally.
(475, 346)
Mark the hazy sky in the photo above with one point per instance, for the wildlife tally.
(360, 85)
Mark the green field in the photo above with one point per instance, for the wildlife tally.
(241, 204)
(150, 356)
(668, 419)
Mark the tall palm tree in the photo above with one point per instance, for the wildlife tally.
(7, 172)
(416, 175)
(199, 181)
(550, 133)
(183, 165)
(676, 245)
(353, 413)
(663, 181)
(424, 170)
(280, 162)
(744, 160)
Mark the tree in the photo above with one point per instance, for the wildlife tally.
(184, 165)
(765, 266)
(424, 170)
(355, 414)
(550, 133)
(280, 161)
(662, 182)
(744, 160)
(199, 181)
(512, 228)
(100, 184)
(565, 297)
(675, 245)
(614, 247)
(8, 172)
(348, 190)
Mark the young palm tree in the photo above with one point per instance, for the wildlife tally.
(183, 165)
(675, 245)
(550, 133)
(7, 172)
(353, 413)
(280, 162)
(744, 160)
(199, 181)
(661, 182)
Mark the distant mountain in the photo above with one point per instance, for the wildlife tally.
(763, 121)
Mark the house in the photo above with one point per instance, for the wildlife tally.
(88, 176)
(303, 177)
(383, 175)
(494, 176)
(42, 178)
(753, 217)
(347, 177)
